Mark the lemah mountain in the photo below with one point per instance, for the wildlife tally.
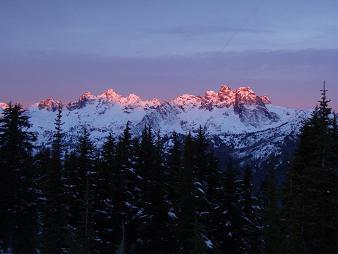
(238, 121)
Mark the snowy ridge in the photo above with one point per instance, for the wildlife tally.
(238, 118)
(223, 111)
(111, 97)
(225, 97)
(49, 104)
(3, 105)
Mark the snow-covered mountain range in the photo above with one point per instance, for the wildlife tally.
(244, 123)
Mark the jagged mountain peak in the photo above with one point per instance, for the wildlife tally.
(131, 101)
(3, 105)
(87, 96)
(133, 98)
(49, 104)
(82, 101)
(266, 100)
(245, 89)
(225, 97)
(187, 100)
(245, 95)
(110, 95)
(237, 118)
(225, 89)
(212, 96)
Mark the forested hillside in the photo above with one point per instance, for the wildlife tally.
(135, 195)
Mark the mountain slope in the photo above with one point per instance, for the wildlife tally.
(2, 106)
(247, 124)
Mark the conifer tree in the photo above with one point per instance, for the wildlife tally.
(71, 183)
(201, 150)
(161, 210)
(311, 192)
(173, 169)
(251, 221)
(86, 164)
(128, 192)
(41, 163)
(189, 233)
(107, 200)
(201, 171)
(54, 219)
(214, 194)
(335, 137)
(79, 183)
(232, 221)
(272, 231)
(154, 218)
(174, 160)
(207, 185)
(18, 211)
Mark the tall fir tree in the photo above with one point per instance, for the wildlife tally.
(71, 183)
(189, 232)
(54, 217)
(232, 221)
(127, 185)
(335, 137)
(161, 211)
(215, 212)
(79, 189)
(154, 215)
(250, 211)
(18, 212)
(201, 171)
(87, 189)
(271, 214)
(207, 185)
(107, 200)
(172, 173)
(311, 191)
(41, 163)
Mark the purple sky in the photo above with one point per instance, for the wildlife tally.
(284, 49)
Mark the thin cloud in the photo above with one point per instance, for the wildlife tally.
(208, 29)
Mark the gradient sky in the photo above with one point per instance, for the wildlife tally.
(154, 48)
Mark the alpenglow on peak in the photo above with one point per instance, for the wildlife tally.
(224, 97)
